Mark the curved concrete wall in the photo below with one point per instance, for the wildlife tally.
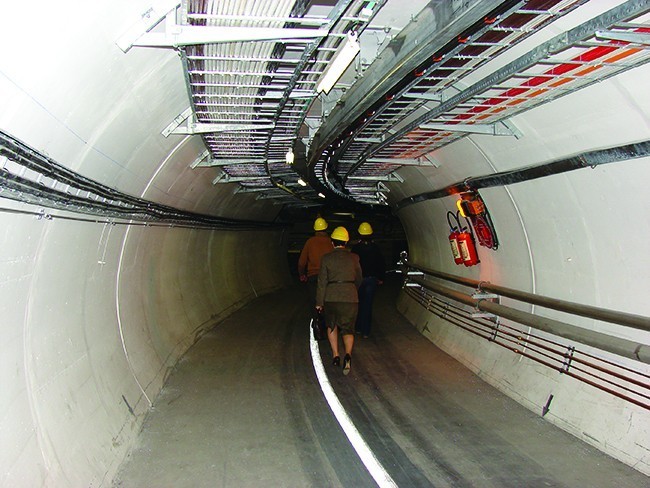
(94, 316)
(571, 236)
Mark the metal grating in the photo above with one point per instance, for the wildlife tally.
(262, 89)
(571, 69)
(430, 111)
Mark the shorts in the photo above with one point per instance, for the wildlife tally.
(342, 315)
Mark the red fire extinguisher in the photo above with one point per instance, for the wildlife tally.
(455, 248)
(467, 248)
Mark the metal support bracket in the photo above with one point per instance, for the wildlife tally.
(501, 128)
(495, 330)
(391, 177)
(382, 188)
(148, 20)
(399, 162)
(484, 296)
(479, 314)
(201, 128)
(568, 359)
(642, 38)
(182, 117)
(226, 178)
(371, 140)
(177, 35)
(217, 163)
(482, 315)
(198, 161)
(255, 189)
(431, 97)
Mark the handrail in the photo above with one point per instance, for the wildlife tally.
(621, 347)
(638, 322)
(610, 376)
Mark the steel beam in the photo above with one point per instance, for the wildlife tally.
(400, 162)
(187, 35)
(392, 177)
(200, 128)
(148, 20)
(226, 178)
(182, 117)
(216, 163)
(496, 129)
(642, 38)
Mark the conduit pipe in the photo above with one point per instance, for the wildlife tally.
(589, 159)
(638, 322)
(621, 347)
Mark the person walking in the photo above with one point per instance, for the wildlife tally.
(310, 257)
(338, 280)
(374, 272)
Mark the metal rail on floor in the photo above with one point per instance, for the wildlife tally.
(561, 352)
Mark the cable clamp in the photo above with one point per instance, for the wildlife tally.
(495, 330)
(483, 315)
(42, 215)
(485, 296)
(568, 358)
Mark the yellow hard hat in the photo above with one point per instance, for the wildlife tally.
(320, 224)
(341, 234)
(365, 229)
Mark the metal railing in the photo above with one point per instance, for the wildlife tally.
(561, 353)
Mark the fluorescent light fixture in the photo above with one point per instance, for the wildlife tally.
(337, 66)
(321, 195)
(289, 156)
(301, 182)
(366, 12)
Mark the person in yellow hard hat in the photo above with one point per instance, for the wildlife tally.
(314, 249)
(336, 295)
(374, 270)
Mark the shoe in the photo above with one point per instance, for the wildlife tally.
(346, 364)
(336, 361)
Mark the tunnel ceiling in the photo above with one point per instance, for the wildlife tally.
(253, 72)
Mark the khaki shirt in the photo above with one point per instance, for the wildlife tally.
(339, 277)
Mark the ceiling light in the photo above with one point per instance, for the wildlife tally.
(366, 12)
(301, 182)
(321, 195)
(337, 66)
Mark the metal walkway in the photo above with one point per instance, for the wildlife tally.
(243, 408)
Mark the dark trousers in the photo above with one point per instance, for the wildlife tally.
(366, 296)
(312, 283)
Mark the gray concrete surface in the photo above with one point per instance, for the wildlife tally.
(243, 409)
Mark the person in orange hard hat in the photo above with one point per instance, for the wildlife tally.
(314, 249)
(336, 295)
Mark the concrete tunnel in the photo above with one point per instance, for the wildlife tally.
(147, 195)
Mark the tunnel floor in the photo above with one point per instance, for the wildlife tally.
(243, 408)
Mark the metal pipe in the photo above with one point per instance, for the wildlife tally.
(634, 321)
(540, 350)
(615, 345)
(585, 160)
